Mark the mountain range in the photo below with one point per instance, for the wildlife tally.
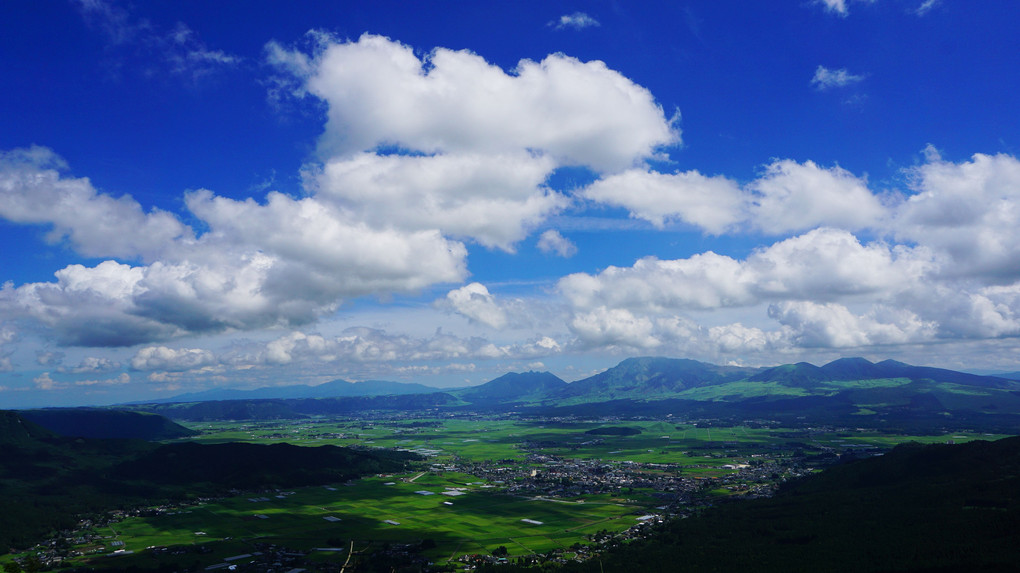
(327, 390)
(848, 390)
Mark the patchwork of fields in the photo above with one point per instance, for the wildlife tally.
(384, 510)
(484, 484)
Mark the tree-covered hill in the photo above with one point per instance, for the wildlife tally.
(106, 423)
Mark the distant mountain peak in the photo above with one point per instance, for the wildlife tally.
(514, 386)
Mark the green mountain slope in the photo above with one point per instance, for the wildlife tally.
(648, 377)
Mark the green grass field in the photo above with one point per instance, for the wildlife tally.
(493, 440)
(477, 520)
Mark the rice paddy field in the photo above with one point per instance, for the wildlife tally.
(455, 511)
(502, 439)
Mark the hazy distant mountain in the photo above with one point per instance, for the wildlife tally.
(514, 387)
(847, 391)
(336, 388)
(292, 408)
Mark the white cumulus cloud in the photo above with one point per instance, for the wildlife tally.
(792, 196)
(34, 190)
(475, 302)
(970, 211)
(171, 359)
(711, 203)
(552, 242)
(379, 92)
(493, 199)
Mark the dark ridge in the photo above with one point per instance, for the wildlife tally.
(16, 430)
(103, 423)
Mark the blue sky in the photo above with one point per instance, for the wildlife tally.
(198, 195)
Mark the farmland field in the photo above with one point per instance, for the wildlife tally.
(501, 439)
(457, 513)
(534, 487)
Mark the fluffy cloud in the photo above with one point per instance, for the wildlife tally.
(702, 281)
(833, 325)
(475, 302)
(493, 199)
(282, 262)
(643, 306)
(614, 327)
(824, 263)
(33, 190)
(552, 242)
(46, 382)
(473, 145)
(793, 196)
(92, 364)
(362, 345)
(452, 143)
(46, 358)
(736, 338)
(7, 336)
(380, 93)
(969, 211)
(788, 197)
(171, 359)
(712, 203)
(320, 253)
(828, 263)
